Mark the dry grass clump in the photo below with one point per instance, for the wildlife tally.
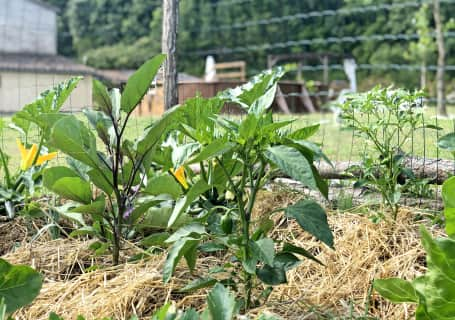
(364, 251)
(121, 291)
(60, 259)
(130, 288)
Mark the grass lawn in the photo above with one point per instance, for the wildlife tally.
(342, 145)
(338, 144)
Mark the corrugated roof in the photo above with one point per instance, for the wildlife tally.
(24, 62)
(116, 77)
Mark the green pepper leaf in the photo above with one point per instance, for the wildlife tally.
(176, 252)
(396, 290)
(221, 303)
(312, 218)
(19, 285)
(293, 163)
(199, 284)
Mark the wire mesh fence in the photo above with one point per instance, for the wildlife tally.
(29, 65)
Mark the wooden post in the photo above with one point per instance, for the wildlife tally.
(440, 86)
(168, 43)
(325, 75)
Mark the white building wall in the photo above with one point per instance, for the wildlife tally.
(20, 88)
(26, 26)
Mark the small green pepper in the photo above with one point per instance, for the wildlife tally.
(226, 223)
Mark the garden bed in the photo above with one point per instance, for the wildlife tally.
(364, 251)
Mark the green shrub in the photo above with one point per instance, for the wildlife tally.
(236, 158)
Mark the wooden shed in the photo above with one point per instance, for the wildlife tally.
(29, 63)
(291, 91)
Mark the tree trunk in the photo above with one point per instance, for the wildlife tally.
(441, 105)
(169, 42)
(423, 75)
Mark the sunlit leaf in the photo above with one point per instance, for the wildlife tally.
(221, 303)
(396, 290)
(140, 82)
(19, 285)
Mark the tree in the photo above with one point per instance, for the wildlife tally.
(124, 33)
(169, 47)
(421, 51)
(440, 84)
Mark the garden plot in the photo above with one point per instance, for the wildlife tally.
(364, 251)
(184, 219)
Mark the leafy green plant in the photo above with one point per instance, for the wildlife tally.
(447, 142)
(103, 183)
(236, 158)
(19, 286)
(386, 118)
(434, 292)
(17, 187)
(419, 188)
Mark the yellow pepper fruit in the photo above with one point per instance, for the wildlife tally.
(29, 155)
(179, 174)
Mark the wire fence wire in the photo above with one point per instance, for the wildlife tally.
(226, 3)
(315, 41)
(314, 14)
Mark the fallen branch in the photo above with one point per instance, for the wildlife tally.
(436, 170)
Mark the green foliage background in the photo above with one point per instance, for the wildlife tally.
(124, 33)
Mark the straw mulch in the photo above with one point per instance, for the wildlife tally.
(12, 240)
(364, 251)
(72, 289)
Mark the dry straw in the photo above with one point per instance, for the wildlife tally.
(364, 251)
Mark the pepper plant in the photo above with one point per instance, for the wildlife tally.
(103, 183)
(386, 119)
(236, 158)
(433, 292)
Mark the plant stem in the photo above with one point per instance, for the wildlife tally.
(254, 188)
(116, 249)
(245, 211)
(5, 168)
